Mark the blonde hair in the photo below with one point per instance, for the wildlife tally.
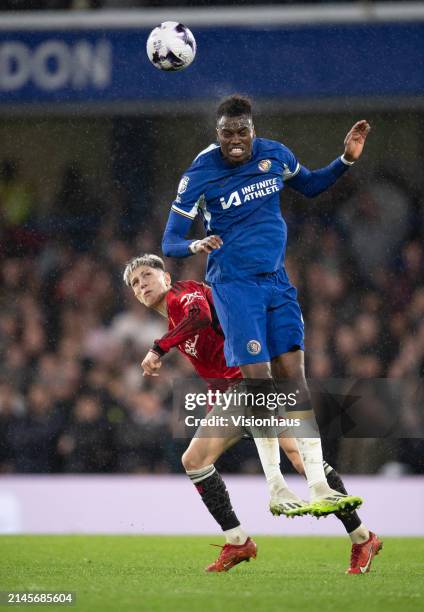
(148, 259)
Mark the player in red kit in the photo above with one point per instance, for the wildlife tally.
(193, 328)
(190, 311)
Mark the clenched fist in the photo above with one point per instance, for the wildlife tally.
(151, 364)
(206, 245)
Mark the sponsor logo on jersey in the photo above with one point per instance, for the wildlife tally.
(183, 184)
(190, 346)
(261, 189)
(254, 347)
(264, 165)
(188, 298)
(233, 200)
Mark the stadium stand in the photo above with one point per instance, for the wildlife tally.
(72, 395)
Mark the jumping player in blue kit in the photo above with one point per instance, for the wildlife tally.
(235, 185)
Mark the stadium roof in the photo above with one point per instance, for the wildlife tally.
(228, 16)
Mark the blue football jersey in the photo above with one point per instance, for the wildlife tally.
(242, 205)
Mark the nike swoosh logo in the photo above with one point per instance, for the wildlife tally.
(366, 566)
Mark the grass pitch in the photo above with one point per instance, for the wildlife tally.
(129, 573)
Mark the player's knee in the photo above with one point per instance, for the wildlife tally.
(187, 460)
(192, 461)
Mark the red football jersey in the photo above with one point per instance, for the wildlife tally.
(195, 330)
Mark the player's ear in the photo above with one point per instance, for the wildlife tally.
(168, 280)
(253, 132)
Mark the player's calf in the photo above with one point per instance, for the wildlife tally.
(291, 451)
(214, 494)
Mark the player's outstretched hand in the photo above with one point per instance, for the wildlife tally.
(151, 364)
(355, 140)
(207, 245)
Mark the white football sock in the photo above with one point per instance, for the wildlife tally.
(311, 452)
(359, 535)
(236, 535)
(269, 454)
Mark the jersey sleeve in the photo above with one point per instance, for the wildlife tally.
(189, 195)
(310, 182)
(313, 182)
(290, 164)
(183, 211)
(191, 305)
(174, 242)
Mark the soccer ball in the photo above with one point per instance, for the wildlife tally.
(171, 46)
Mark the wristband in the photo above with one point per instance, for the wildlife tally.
(192, 246)
(344, 161)
(156, 349)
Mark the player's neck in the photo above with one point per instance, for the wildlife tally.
(162, 307)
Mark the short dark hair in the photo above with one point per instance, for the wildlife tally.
(234, 106)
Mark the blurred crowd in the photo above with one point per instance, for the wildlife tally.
(72, 336)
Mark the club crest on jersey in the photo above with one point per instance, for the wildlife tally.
(254, 347)
(183, 184)
(264, 165)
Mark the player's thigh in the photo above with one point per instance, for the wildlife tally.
(241, 307)
(289, 365)
(285, 329)
(203, 450)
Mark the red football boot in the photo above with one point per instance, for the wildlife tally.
(231, 554)
(363, 554)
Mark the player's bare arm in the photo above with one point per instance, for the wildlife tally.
(355, 140)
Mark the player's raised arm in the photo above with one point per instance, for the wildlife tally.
(313, 182)
(175, 244)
